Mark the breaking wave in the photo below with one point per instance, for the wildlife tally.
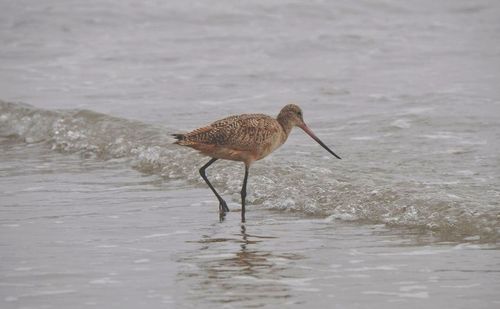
(303, 187)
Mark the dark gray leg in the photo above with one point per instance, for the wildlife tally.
(244, 194)
(222, 204)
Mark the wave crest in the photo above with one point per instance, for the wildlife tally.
(276, 184)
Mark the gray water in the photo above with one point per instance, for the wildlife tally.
(100, 209)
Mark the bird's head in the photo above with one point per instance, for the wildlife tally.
(291, 115)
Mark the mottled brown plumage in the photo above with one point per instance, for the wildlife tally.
(246, 138)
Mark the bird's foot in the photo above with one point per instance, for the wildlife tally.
(222, 216)
(223, 207)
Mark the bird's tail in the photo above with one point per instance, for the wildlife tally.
(178, 137)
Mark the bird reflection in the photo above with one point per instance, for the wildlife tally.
(237, 270)
(249, 259)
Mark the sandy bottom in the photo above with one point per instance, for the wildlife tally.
(82, 233)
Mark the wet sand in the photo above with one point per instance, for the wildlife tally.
(110, 237)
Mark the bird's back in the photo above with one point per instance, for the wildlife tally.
(248, 132)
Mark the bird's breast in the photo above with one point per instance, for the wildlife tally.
(271, 145)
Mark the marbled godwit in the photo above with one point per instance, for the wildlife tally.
(246, 138)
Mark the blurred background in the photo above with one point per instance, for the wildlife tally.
(163, 56)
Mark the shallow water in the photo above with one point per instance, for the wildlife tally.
(100, 209)
(112, 237)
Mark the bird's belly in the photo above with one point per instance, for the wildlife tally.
(227, 153)
(248, 155)
(265, 150)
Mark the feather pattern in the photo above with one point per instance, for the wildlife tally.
(242, 132)
(247, 137)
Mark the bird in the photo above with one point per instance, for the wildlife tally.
(246, 138)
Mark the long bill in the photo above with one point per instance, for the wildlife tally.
(311, 134)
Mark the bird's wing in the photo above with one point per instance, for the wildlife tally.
(243, 132)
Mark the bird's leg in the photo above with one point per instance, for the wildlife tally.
(244, 194)
(222, 204)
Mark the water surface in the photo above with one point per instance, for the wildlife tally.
(100, 209)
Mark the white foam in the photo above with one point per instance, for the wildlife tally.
(464, 286)
(410, 288)
(422, 295)
(217, 256)
(415, 252)
(374, 268)
(295, 282)
(401, 123)
(342, 216)
(104, 281)
(363, 138)
(107, 246)
(165, 234)
(23, 268)
(308, 188)
(440, 135)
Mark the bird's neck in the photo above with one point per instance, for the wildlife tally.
(286, 125)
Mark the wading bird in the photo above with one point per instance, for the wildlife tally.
(246, 138)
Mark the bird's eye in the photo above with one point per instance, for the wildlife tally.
(299, 113)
